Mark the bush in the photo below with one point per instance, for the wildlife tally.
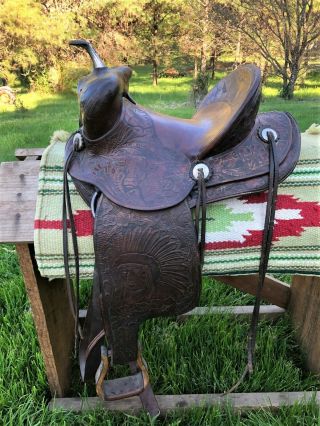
(41, 83)
(62, 78)
(69, 76)
(171, 72)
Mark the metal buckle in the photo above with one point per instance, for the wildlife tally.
(123, 387)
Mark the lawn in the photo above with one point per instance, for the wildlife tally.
(200, 355)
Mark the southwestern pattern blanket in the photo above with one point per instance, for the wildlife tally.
(234, 226)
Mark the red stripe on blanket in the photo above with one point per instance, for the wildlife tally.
(83, 221)
(310, 217)
(309, 212)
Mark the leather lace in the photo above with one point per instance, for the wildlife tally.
(201, 201)
(67, 216)
(264, 258)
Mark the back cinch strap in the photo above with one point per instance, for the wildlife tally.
(264, 258)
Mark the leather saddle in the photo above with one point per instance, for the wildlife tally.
(142, 173)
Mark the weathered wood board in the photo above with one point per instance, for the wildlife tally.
(18, 194)
(239, 402)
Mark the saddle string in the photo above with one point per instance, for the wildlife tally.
(264, 258)
(67, 213)
(201, 201)
(266, 244)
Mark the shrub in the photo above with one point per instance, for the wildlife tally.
(61, 78)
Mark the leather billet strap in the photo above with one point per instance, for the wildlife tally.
(137, 384)
(265, 252)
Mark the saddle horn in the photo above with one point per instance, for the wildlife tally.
(96, 60)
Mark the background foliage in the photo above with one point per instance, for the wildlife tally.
(191, 35)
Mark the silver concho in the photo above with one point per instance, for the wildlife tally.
(263, 134)
(199, 166)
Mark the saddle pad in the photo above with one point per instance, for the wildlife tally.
(234, 226)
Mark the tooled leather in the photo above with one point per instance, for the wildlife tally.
(235, 173)
(147, 260)
(132, 167)
(141, 175)
(152, 269)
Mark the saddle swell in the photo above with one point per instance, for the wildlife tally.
(145, 169)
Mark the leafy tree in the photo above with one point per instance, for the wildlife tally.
(284, 31)
(158, 29)
(205, 36)
(30, 38)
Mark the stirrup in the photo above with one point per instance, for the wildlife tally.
(122, 387)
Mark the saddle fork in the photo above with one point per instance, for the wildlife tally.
(138, 384)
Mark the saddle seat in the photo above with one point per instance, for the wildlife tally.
(223, 119)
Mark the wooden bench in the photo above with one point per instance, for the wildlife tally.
(54, 322)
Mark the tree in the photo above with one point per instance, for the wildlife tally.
(158, 29)
(111, 24)
(205, 36)
(284, 31)
(30, 38)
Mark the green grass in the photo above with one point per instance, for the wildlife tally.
(199, 356)
(45, 112)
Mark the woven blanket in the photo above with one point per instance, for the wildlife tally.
(234, 226)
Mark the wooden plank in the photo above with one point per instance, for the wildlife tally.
(267, 312)
(305, 313)
(274, 291)
(22, 153)
(18, 194)
(31, 158)
(53, 320)
(239, 402)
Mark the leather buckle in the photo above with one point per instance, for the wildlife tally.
(122, 387)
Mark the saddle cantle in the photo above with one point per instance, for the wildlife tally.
(142, 172)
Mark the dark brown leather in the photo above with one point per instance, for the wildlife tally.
(133, 169)
(141, 165)
(231, 105)
(245, 168)
(152, 269)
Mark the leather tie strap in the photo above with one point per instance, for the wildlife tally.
(67, 213)
(265, 252)
(201, 201)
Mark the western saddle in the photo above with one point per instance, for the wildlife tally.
(142, 173)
